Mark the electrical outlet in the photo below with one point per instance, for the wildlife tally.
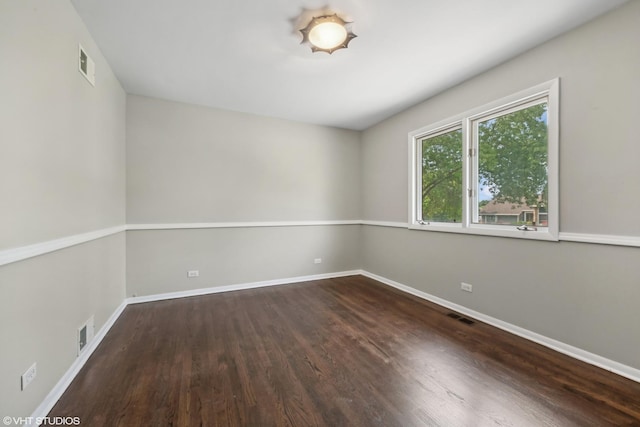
(317, 261)
(193, 273)
(466, 287)
(28, 376)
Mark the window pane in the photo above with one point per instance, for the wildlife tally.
(513, 168)
(442, 177)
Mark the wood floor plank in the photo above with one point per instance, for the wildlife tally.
(337, 352)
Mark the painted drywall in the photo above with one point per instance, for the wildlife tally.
(62, 165)
(62, 172)
(44, 301)
(194, 164)
(158, 261)
(600, 86)
(189, 164)
(581, 294)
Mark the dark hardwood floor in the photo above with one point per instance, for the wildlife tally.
(337, 352)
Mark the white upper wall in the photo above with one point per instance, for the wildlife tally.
(62, 165)
(599, 69)
(188, 163)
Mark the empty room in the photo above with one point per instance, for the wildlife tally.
(298, 212)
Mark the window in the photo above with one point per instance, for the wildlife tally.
(492, 170)
(441, 156)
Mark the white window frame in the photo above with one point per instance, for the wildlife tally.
(548, 92)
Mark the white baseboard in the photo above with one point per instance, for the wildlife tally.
(569, 350)
(610, 365)
(238, 287)
(54, 395)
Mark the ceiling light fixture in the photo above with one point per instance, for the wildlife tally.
(327, 33)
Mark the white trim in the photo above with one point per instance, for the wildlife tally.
(8, 256)
(171, 226)
(602, 239)
(239, 287)
(484, 230)
(61, 386)
(385, 224)
(547, 92)
(569, 350)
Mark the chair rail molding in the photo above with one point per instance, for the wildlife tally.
(8, 256)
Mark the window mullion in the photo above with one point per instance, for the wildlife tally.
(466, 173)
(474, 171)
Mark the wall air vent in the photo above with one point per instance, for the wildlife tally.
(85, 334)
(86, 66)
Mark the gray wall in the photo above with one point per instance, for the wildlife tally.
(43, 302)
(582, 294)
(62, 163)
(157, 261)
(188, 163)
(62, 172)
(194, 164)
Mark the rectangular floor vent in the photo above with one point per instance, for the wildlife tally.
(467, 321)
(453, 316)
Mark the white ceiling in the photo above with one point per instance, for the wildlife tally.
(244, 55)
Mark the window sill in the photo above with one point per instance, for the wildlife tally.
(543, 233)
